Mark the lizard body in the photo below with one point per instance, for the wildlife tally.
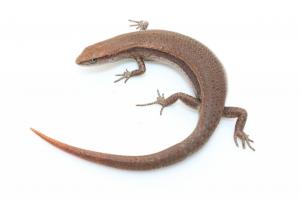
(203, 69)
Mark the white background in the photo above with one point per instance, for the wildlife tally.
(42, 87)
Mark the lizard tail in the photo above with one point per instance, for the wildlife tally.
(151, 161)
(163, 158)
(103, 158)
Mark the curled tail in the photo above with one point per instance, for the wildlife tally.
(163, 158)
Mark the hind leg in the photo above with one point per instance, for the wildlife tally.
(241, 114)
(164, 102)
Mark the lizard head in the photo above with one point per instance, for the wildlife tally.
(102, 52)
(92, 54)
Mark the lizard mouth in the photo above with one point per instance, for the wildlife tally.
(81, 61)
(87, 62)
(86, 57)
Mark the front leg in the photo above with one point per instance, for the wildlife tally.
(128, 74)
(140, 25)
(241, 114)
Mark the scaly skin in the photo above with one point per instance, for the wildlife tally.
(201, 66)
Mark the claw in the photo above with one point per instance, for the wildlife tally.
(235, 141)
(147, 104)
(243, 143)
(250, 139)
(141, 25)
(159, 100)
(133, 21)
(125, 75)
(244, 138)
(160, 96)
(161, 110)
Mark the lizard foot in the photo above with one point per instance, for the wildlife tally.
(141, 25)
(159, 100)
(125, 75)
(244, 138)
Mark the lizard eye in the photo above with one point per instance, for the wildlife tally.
(93, 61)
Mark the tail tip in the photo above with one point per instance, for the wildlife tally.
(35, 131)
